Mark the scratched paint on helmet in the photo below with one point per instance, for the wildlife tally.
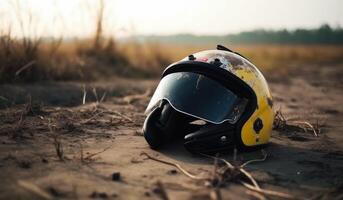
(247, 72)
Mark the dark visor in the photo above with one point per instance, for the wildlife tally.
(199, 96)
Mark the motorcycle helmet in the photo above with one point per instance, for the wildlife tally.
(214, 100)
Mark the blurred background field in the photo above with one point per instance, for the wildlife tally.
(32, 60)
(29, 55)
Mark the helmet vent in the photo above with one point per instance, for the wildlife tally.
(258, 125)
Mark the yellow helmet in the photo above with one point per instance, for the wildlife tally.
(215, 100)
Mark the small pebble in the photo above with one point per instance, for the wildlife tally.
(172, 172)
(55, 192)
(96, 194)
(147, 194)
(25, 164)
(116, 176)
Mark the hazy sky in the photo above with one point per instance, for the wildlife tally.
(76, 17)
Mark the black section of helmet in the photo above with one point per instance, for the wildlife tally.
(165, 123)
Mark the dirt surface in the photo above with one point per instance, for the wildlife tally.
(54, 147)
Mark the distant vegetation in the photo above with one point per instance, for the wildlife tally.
(322, 35)
(28, 59)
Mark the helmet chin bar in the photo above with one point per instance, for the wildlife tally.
(164, 124)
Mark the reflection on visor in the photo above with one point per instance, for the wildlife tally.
(198, 96)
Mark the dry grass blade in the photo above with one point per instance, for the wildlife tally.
(267, 192)
(84, 95)
(103, 97)
(58, 148)
(95, 95)
(25, 67)
(161, 191)
(81, 153)
(279, 120)
(255, 187)
(250, 177)
(256, 195)
(215, 194)
(310, 126)
(123, 116)
(177, 166)
(90, 156)
(34, 189)
(57, 143)
(264, 153)
(91, 118)
(20, 122)
(215, 169)
(232, 167)
(281, 123)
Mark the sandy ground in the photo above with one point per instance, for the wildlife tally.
(102, 143)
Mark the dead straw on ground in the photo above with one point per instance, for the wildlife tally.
(34, 189)
(288, 124)
(57, 142)
(223, 174)
(91, 156)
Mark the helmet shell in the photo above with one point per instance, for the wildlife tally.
(255, 127)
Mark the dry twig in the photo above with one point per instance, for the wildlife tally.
(177, 166)
(29, 64)
(256, 195)
(161, 191)
(267, 192)
(90, 156)
(227, 173)
(91, 118)
(57, 143)
(81, 152)
(34, 189)
(215, 194)
(282, 123)
(58, 147)
(123, 116)
(256, 160)
(310, 126)
(84, 95)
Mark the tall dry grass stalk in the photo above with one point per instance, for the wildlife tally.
(99, 25)
(32, 58)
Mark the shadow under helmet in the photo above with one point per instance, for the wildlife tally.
(215, 100)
